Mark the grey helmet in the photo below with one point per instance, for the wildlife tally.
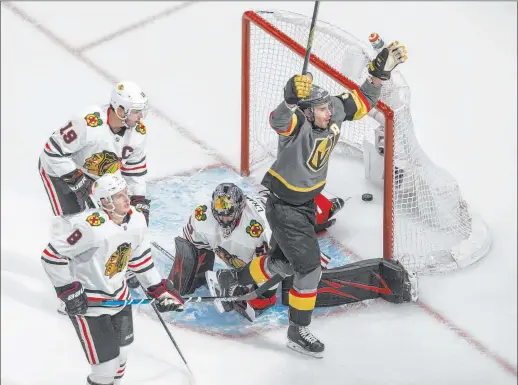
(228, 200)
(317, 96)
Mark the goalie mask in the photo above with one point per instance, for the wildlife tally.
(317, 97)
(228, 204)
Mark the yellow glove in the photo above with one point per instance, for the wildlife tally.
(298, 87)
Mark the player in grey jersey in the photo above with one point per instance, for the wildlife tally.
(308, 123)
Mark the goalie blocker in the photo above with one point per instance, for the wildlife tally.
(354, 282)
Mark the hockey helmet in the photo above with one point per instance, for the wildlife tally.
(107, 186)
(228, 204)
(317, 97)
(130, 97)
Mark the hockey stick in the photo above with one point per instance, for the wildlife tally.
(170, 335)
(163, 251)
(310, 38)
(246, 297)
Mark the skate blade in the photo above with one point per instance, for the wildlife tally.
(248, 312)
(212, 283)
(294, 346)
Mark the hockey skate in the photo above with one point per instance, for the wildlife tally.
(303, 341)
(337, 205)
(222, 284)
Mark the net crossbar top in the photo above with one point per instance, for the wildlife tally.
(428, 226)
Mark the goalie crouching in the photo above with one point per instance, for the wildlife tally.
(232, 227)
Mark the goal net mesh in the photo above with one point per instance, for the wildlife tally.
(433, 228)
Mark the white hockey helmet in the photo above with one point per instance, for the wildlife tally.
(106, 186)
(130, 97)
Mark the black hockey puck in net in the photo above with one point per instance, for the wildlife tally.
(367, 197)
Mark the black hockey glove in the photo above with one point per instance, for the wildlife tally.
(74, 297)
(297, 88)
(141, 204)
(79, 183)
(166, 299)
(387, 60)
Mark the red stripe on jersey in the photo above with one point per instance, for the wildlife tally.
(139, 264)
(51, 190)
(133, 168)
(49, 254)
(124, 293)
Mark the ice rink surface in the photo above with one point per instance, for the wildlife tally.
(59, 57)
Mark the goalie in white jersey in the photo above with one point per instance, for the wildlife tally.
(86, 261)
(232, 227)
(99, 141)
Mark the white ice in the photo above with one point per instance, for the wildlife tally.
(462, 73)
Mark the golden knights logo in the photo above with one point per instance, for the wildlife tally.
(255, 229)
(101, 163)
(118, 260)
(93, 120)
(140, 128)
(95, 219)
(199, 213)
(322, 149)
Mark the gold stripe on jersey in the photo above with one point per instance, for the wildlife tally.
(293, 124)
(257, 270)
(362, 106)
(295, 188)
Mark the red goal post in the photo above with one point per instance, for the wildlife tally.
(426, 222)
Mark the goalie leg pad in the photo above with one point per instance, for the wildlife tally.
(190, 265)
(360, 281)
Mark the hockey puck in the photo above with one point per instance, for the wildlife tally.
(367, 197)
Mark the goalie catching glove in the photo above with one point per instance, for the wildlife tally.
(166, 300)
(297, 88)
(388, 59)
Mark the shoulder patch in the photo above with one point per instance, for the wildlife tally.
(95, 219)
(140, 128)
(199, 213)
(255, 229)
(93, 120)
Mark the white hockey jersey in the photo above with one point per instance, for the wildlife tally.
(248, 240)
(88, 143)
(88, 247)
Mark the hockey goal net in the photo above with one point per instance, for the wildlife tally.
(427, 225)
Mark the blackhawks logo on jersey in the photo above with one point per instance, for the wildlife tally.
(140, 127)
(101, 163)
(255, 229)
(118, 260)
(230, 260)
(95, 219)
(199, 213)
(93, 120)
